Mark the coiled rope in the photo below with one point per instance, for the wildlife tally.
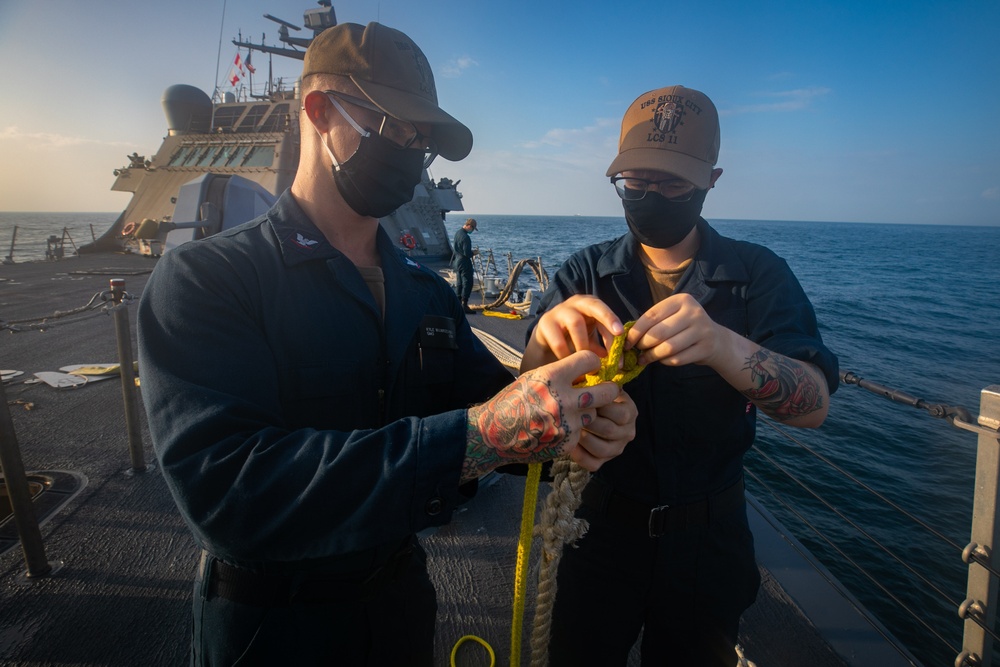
(540, 275)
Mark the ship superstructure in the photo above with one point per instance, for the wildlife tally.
(256, 139)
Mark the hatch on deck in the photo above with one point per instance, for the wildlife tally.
(50, 490)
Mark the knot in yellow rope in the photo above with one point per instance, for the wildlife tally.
(620, 366)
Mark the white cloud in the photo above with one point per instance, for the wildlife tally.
(991, 193)
(787, 100)
(456, 66)
(45, 140)
(583, 138)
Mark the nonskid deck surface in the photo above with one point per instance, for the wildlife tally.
(122, 593)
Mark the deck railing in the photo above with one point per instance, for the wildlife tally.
(12, 468)
(892, 576)
(55, 246)
(979, 607)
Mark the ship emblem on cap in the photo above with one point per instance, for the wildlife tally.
(424, 69)
(421, 67)
(667, 117)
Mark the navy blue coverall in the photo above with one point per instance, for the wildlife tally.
(305, 440)
(462, 263)
(690, 583)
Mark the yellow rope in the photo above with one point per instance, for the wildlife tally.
(478, 640)
(523, 552)
(508, 316)
(520, 571)
(609, 371)
(617, 355)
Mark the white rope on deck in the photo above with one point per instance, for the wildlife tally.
(505, 354)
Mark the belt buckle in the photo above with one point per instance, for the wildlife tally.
(656, 520)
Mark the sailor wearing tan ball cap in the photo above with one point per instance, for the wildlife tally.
(356, 407)
(725, 330)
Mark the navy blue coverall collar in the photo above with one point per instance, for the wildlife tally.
(300, 241)
(714, 262)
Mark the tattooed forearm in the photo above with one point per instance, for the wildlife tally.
(782, 387)
(523, 423)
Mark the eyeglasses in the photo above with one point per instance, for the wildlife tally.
(400, 133)
(634, 189)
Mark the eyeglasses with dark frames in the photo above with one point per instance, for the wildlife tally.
(634, 189)
(400, 133)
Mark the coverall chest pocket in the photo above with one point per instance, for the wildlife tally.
(436, 366)
(436, 346)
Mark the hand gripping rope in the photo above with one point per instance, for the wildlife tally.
(557, 525)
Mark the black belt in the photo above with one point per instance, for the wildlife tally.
(268, 589)
(621, 509)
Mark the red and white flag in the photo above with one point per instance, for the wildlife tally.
(236, 71)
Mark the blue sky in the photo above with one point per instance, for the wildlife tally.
(874, 111)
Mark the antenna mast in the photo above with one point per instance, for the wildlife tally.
(218, 59)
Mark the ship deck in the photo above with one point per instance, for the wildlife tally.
(121, 590)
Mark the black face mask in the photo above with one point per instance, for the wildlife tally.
(660, 223)
(378, 178)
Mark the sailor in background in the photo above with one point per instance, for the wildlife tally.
(461, 262)
(726, 330)
(308, 386)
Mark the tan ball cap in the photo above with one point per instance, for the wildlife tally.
(673, 129)
(392, 72)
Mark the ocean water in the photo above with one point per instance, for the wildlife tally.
(913, 307)
(24, 237)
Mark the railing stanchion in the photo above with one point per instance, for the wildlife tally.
(9, 259)
(980, 604)
(127, 376)
(16, 481)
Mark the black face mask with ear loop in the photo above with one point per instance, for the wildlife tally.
(660, 223)
(379, 177)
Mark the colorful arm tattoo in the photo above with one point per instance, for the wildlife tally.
(522, 424)
(783, 388)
